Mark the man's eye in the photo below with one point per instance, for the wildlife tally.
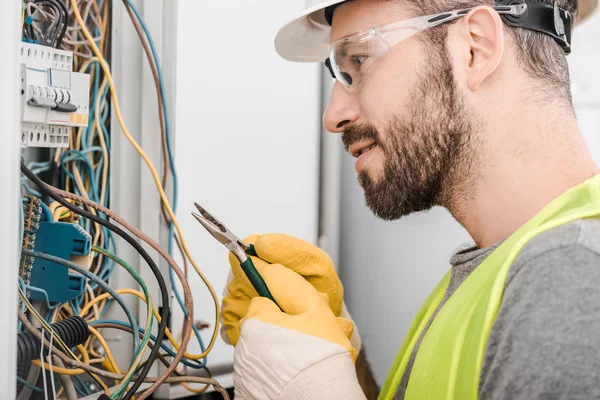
(358, 60)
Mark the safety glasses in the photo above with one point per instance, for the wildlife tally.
(352, 56)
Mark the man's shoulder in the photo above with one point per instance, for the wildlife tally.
(545, 342)
(563, 242)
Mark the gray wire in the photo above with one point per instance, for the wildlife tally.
(32, 377)
(66, 381)
(97, 280)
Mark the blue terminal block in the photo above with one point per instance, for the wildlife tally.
(61, 240)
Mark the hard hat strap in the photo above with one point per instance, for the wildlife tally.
(542, 17)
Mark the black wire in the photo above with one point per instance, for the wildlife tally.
(59, 14)
(164, 315)
(65, 21)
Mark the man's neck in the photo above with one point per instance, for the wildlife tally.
(515, 184)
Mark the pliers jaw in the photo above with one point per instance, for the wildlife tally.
(220, 232)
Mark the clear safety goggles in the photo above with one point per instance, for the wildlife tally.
(352, 56)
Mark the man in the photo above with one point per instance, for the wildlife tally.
(465, 105)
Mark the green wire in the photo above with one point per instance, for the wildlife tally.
(147, 333)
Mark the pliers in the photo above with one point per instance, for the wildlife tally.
(239, 249)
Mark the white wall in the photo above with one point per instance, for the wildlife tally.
(247, 141)
(389, 268)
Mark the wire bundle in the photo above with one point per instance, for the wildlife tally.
(79, 192)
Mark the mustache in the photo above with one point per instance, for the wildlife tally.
(357, 133)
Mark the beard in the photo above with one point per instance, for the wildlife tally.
(429, 157)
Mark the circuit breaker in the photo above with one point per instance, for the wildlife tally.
(54, 98)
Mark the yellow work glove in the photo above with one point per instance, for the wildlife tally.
(307, 260)
(301, 351)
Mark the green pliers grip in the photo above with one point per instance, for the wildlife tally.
(255, 279)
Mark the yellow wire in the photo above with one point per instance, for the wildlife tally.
(134, 292)
(102, 143)
(84, 354)
(157, 181)
(86, 64)
(194, 390)
(109, 356)
(90, 292)
(60, 370)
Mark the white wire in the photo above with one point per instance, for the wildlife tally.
(50, 362)
(43, 368)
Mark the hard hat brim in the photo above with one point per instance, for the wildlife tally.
(306, 38)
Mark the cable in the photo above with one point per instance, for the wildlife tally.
(46, 212)
(153, 61)
(154, 245)
(162, 194)
(140, 296)
(149, 317)
(131, 8)
(109, 375)
(50, 365)
(111, 323)
(32, 376)
(67, 382)
(29, 385)
(92, 277)
(43, 371)
(52, 192)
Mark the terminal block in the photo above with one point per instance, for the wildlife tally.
(60, 239)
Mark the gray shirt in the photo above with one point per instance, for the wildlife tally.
(545, 342)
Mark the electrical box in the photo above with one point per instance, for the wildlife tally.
(53, 98)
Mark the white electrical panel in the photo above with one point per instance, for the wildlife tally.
(53, 98)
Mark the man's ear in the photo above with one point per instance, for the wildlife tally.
(482, 29)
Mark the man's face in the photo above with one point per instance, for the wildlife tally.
(406, 122)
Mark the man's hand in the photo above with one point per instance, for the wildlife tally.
(301, 351)
(312, 263)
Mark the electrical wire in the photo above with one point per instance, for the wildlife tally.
(162, 194)
(67, 382)
(54, 193)
(53, 384)
(149, 316)
(155, 246)
(141, 297)
(29, 385)
(149, 49)
(84, 366)
(94, 278)
(43, 366)
(93, 181)
(124, 326)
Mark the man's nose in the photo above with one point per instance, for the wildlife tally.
(341, 110)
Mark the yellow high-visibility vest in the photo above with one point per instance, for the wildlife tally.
(449, 359)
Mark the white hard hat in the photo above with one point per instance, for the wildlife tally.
(306, 38)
